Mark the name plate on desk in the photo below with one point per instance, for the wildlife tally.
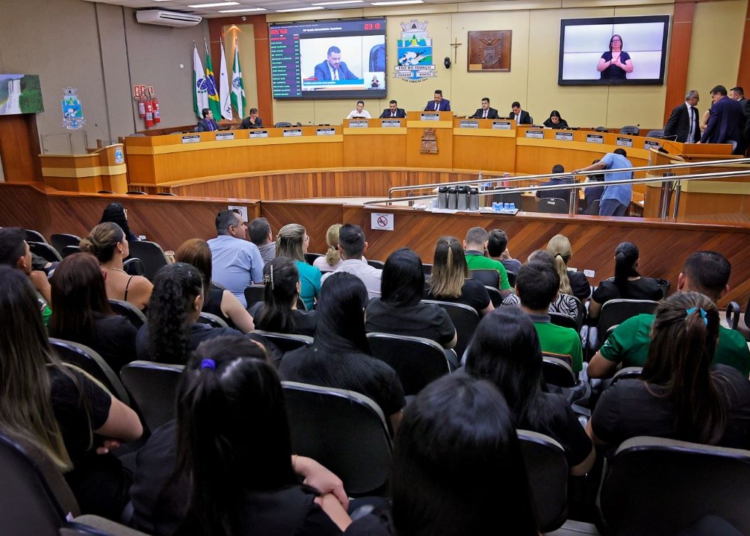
(358, 124)
(624, 142)
(224, 136)
(326, 131)
(469, 124)
(648, 144)
(258, 133)
(501, 125)
(536, 134)
(594, 138)
(194, 138)
(292, 133)
(429, 117)
(564, 136)
(391, 123)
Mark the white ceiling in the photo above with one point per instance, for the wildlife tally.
(268, 6)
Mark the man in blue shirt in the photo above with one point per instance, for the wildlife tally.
(236, 262)
(616, 198)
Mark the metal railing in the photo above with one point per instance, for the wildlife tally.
(673, 183)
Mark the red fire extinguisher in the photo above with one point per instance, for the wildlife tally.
(149, 113)
(155, 105)
(142, 107)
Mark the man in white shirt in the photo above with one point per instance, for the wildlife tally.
(359, 112)
(352, 246)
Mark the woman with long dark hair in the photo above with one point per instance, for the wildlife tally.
(679, 395)
(292, 242)
(450, 281)
(457, 467)
(116, 213)
(505, 350)
(340, 356)
(81, 312)
(57, 408)
(278, 311)
(627, 284)
(219, 302)
(172, 330)
(399, 310)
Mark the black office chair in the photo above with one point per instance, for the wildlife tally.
(376, 264)
(151, 255)
(167, 193)
(627, 373)
(552, 205)
(593, 208)
(61, 241)
(283, 124)
(34, 236)
(655, 134)
(45, 251)
(495, 297)
(657, 486)
(615, 312)
(135, 192)
(630, 130)
(565, 321)
(427, 270)
(133, 266)
(93, 364)
(153, 387)
(733, 315)
(547, 470)
(557, 370)
(310, 257)
(134, 315)
(417, 361)
(489, 278)
(511, 278)
(344, 431)
(106, 191)
(286, 342)
(601, 129)
(254, 294)
(465, 319)
(70, 250)
(212, 320)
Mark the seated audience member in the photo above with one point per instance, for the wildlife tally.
(60, 409)
(593, 193)
(475, 244)
(116, 213)
(450, 281)
(627, 283)
(537, 286)
(706, 272)
(359, 112)
(679, 394)
(564, 303)
(393, 111)
(571, 281)
(555, 121)
(237, 263)
(216, 301)
(108, 243)
(260, 234)
(15, 253)
(207, 473)
(332, 259)
(352, 246)
(252, 120)
(556, 194)
(172, 330)
(292, 242)
(340, 356)
(82, 314)
(522, 117)
(457, 435)
(208, 123)
(278, 311)
(400, 310)
(497, 249)
(505, 350)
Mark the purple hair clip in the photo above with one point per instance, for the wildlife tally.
(208, 363)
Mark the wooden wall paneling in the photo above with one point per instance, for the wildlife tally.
(679, 50)
(488, 154)
(19, 148)
(371, 151)
(315, 217)
(443, 159)
(24, 205)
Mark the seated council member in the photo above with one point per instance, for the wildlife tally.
(522, 117)
(359, 112)
(208, 123)
(252, 120)
(333, 68)
(555, 121)
(393, 111)
(485, 112)
(615, 64)
(438, 104)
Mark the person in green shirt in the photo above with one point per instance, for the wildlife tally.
(475, 246)
(537, 286)
(706, 272)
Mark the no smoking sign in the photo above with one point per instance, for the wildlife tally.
(381, 222)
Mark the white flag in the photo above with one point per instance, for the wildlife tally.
(200, 90)
(238, 88)
(225, 91)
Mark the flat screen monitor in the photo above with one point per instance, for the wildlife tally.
(329, 59)
(613, 51)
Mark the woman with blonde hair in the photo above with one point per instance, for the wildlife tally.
(571, 281)
(292, 241)
(108, 243)
(332, 259)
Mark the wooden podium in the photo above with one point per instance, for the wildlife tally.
(104, 169)
(421, 127)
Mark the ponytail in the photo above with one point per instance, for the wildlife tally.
(626, 255)
(562, 271)
(559, 247)
(332, 239)
(280, 276)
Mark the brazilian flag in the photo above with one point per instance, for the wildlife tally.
(213, 92)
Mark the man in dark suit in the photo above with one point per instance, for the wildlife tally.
(683, 122)
(333, 68)
(438, 104)
(393, 111)
(522, 117)
(727, 120)
(208, 123)
(738, 94)
(485, 112)
(558, 194)
(252, 121)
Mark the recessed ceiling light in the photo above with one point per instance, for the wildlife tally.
(217, 4)
(399, 3)
(298, 9)
(245, 10)
(162, 0)
(342, 2)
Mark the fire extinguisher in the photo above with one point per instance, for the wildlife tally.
(149, 114)
(155, 105)
(142, 107)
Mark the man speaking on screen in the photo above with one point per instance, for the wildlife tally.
(333, 68)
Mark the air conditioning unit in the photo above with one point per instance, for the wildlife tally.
(167, 18)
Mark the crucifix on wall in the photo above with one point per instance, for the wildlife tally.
(455, 44)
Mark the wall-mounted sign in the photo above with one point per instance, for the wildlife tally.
(71, 109)
(414, 53)
(381, 222)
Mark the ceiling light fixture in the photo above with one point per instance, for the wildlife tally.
(399, 3)
(216, 4)
(245, 10)
(298, 9)
(342, 2)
